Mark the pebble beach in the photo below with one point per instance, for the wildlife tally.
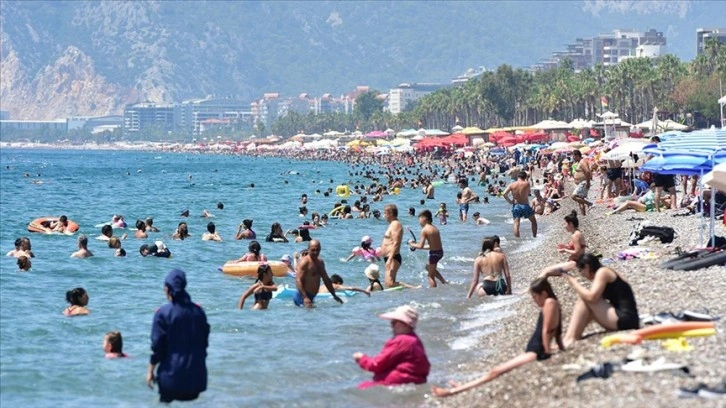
(552, 383)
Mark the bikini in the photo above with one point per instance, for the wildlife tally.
(263, 296)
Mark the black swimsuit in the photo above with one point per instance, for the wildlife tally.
(535, 342)
(621, 297)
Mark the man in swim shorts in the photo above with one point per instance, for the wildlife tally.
(391, 244)
(310, 270)
(582, 177)
(466, 197)
(520, 203)
(431, 240)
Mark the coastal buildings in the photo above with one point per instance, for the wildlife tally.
(704, 35)
(608, 49)
(400, 98)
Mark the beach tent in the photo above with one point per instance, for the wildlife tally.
(662, 125)
(550, 124)
(579, 124)
(435, 132)
(472, 130)
(407, 133)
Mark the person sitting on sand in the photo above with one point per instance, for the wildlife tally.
(577, 245)
(337, 282)
(262, 288)
(113, 345)
(644, 203)
(403, 359)
(24, 263)
(78, 299)
(539, 347)
(211, 234)
(83, 251)
(254, 255)
(182, 231)
(247, 232)
(140, 230)
(609, 301)
(493, 266)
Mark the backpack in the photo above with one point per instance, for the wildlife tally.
(664, 234)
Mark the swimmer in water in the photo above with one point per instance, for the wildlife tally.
(150, 225)
(211, 234)
(337, 282)
(207, 214)
(24, 263)
(113, 345)
(254, 254)
(262, 289)
(140, 230)
(83, 251)
(182, 232)
(247, 232)
(78, 299)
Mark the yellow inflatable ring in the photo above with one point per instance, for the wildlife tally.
(342, 191)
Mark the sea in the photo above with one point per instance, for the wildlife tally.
(284, 356)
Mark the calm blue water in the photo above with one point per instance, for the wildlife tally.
(282, 356)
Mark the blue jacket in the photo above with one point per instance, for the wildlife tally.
(179, 339)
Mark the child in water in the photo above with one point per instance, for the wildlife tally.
(113, 345)
(262, 289)
(442, 213)
(539, 347)
(337, 282)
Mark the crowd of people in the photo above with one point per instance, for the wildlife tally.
(532, 184)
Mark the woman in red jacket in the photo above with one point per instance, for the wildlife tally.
(403, 358)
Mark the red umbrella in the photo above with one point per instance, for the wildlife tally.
(499, 135)
(536, 137)
(458, 139)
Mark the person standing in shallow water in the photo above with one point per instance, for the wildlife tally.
(391, 244)
(179, 340)
(431, 240)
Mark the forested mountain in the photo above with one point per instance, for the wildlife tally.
(65, 58)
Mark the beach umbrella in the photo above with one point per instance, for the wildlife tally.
(550, 124)
(457, 129)
(624, 150)
(716, 178)
(709, 140)
(558, 145)
(376, 134)
(609, 115)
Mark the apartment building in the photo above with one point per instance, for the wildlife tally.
(704, 35)
(399, 98)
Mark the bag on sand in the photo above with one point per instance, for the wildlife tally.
(664, 234)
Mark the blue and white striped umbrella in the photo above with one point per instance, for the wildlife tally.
(684, 162)
(709, 140)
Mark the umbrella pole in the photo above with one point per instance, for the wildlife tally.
(713, 209)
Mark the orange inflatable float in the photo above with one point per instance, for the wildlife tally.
(41, 225)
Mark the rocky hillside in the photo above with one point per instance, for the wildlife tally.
(61, 58)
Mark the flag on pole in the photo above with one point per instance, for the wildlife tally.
(458, 120)
(604, 102)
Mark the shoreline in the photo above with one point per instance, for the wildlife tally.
(546, 383)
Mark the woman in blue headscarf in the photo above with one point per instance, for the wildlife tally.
(179, 339)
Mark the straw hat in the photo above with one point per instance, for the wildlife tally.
(405, 314)
(372, 272)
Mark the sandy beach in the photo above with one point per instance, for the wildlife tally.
(547, 383)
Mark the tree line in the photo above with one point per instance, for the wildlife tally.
(683, 91)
